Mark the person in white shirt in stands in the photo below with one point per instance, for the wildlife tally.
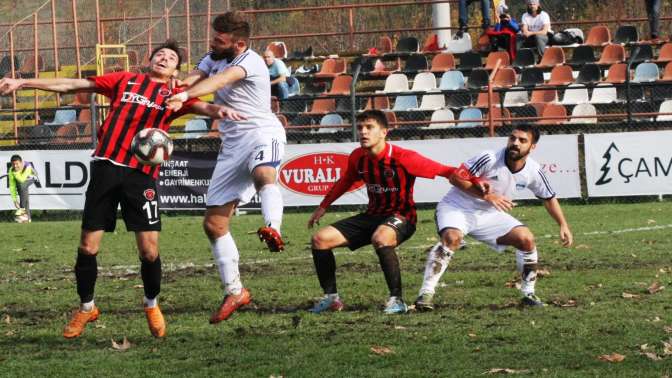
(282, 84)
(250, 153)
(535, 27)
(485, 216)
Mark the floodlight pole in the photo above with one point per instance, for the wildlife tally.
(627, 84)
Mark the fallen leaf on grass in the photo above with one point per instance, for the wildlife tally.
(667, 329)
(582, 246)
(543, 272)
(652, 356)
(399, 327)
(49, 288)
(138, 286)
(628, 295)
(381, 350)
(650, 221)
(125, 345)
(644, 347)
(655, 287)
(514, 283)
(472, 335)
(100, 325)
(505, 371)
(568, 303)
(10, 333)
(614, 357)
(7, 319)
(667, 348)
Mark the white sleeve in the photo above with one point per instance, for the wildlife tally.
(540, 186)
(480, 164)
(546, 18)
(205, 64)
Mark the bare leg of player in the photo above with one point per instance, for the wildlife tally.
(271, 206)
(225, 253)
(522, 239)
(438, 259)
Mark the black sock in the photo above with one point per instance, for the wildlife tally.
(151, 276)
(325, 266)
(86, 272)
(389, 262)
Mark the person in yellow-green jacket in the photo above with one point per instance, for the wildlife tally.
(21, 176)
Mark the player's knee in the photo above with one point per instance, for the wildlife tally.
(214, 230)
(87, 249)
(526, 242)
(149, 256)
(378, 241)
(451, 239)
(318, 241)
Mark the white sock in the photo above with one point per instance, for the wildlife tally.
(149, 303)
(526, 264)
(271, 205)
(226, 256)
(86, 306)
(333, 296)
(438, 259)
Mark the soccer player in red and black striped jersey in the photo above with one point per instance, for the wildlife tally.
(137, 101)
(389, 173)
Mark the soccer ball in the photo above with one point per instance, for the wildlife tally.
(152, 146)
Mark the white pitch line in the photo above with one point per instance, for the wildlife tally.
(173, 267)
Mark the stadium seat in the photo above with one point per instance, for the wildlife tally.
(6, 65)
(408, 45)
(458, 99)
(598, 36)
(616, 74)
(665, 107)
(561, 75)
(439, 118)
(378, 102)
(664, 54)
(493, 57)
(63, 116)
(432, 102)
(499, 116)
(278, 48)
(646, 72)
(431, 44)
(531, 76)
(391, 119)
(543, 96)
(331, 119)
(460, 45)
(84, 116)
(86, 135)
(28, 67)
(644, 53)
(584, 110)
(553, 110)
(405, 103)
(504, 78)
(604, 94)
(40, 134)
(553, 56)
(322, 106)
(589, 73)
(470, 60)
(341, 85)
(452, 81)
(611, 54)
(424, 81)
(384, 45)
(667, 72)
(443, 62)
(482, 100)
(516, 96)
(478, 78)
(582, 54)
(397, 82)
(526, 111)
(332, 68)
(66, 134)
(416, 63)
(380, 69)
(524, 58)
(575, 94)
(626, 34)
(471, 115)
(195, 128)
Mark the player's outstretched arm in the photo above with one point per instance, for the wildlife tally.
(9, 85)
(553, 207)
(194, 77)
(315, 217)
(206, 86)
(216, 111)
(499, 202)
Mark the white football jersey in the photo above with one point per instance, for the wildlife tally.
(492, 166)
(250, 96)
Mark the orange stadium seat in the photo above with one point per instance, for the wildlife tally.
(443, 62)
(542, 96)
(598, 36)
(482, 100)
(380, 69)
(553, 110)
(505, 78)
(667, 72)
(341, 85)
(616, 73)
(378, 102)
(332, 68)
(500, 116)
(493, 57)
(561, 75)
(66, 134)
(323, 106)
(665, 54)
(553, 56)
(613, 53)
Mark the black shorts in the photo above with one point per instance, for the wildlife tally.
(112, 185)
(359, 229)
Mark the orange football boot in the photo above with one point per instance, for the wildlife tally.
(272, 238)
(78, 322)
(230, 304)
(155, 321)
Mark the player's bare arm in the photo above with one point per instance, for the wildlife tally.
(9, 85)
(555, 211)
(315, 217)
(206, 86)
(500, 202)
(216, 111)
(194, 77)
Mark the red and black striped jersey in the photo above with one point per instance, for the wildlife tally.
(136, 102)
(389, 179)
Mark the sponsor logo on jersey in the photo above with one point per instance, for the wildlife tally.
(315, 173)
(140, 100)
(165, 92)
(149, 194)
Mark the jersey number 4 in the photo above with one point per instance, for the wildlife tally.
(260, 156)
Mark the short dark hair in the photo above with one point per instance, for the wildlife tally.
(234, 23)
(170, 44)
(15, 158)
(530, 129)
(374, 114)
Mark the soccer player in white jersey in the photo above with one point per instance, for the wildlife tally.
(486, 217)
(251, 149)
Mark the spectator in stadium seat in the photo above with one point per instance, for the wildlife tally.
(503, 35)
(464, 15)
(21, 176)
(282, 84)
(536, 28)
(653, 13)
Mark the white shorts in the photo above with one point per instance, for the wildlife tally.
(485, 226)
(238, 156)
